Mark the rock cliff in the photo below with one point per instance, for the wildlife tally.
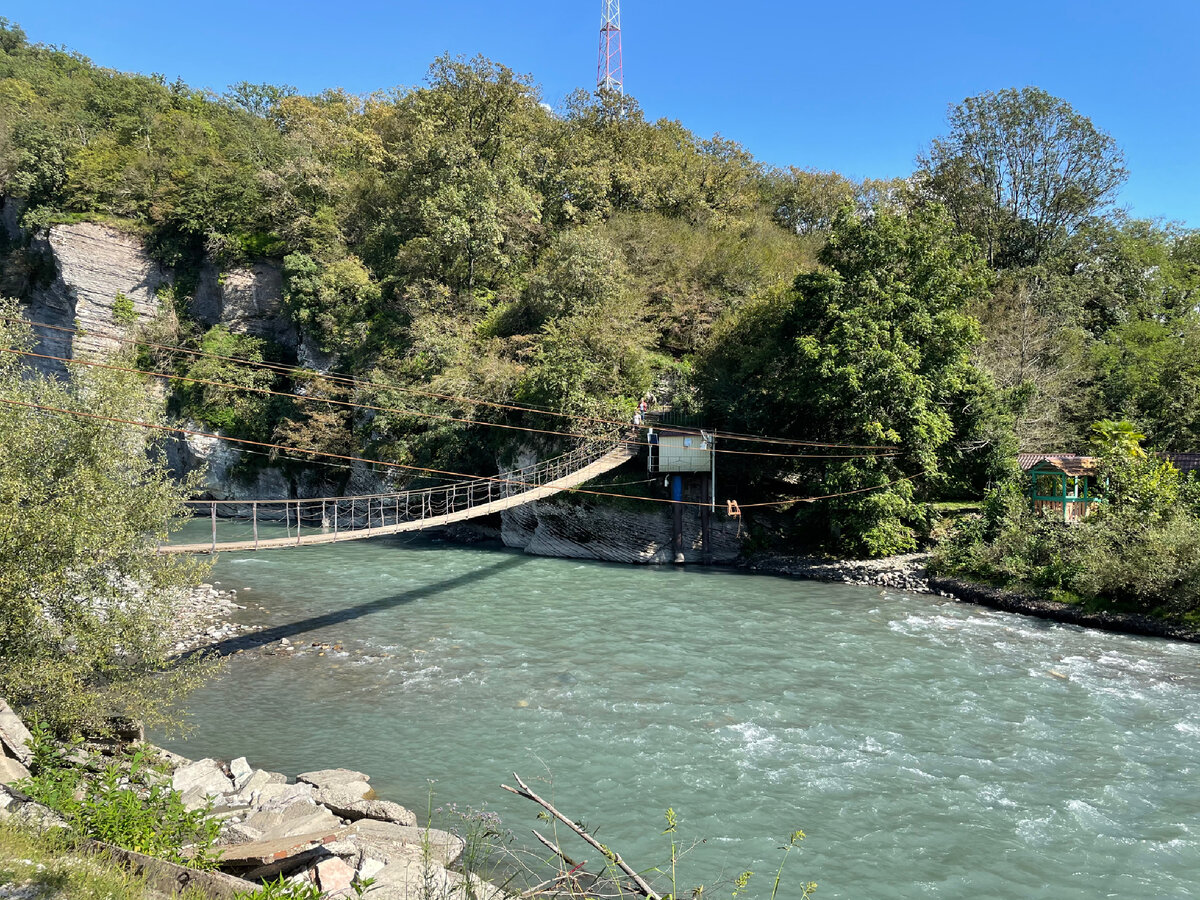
(94, 266)
(625, 533)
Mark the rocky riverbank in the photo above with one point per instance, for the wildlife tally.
(203, 617)
(1012, 601)
(324, 828)
(901, 573)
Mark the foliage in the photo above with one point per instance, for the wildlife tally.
(1138, 550)
(86, 604)
(128, 803)
(122, 310)
(873, 352)
(48, 865)
(1021, 170)
(225, 392)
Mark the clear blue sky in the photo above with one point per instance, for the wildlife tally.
(859, 87)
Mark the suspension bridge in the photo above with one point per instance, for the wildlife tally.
(331, 520)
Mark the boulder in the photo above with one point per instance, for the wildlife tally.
(250, 790)
(201, 781)
(11, 770)
(275, 795)
(14, 736)
(240, 770)
(388, 842)
(326, 778)
(344, 805)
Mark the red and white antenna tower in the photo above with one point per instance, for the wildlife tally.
(609, 76)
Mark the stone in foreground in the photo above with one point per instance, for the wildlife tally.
(326, 778)
(14, 736)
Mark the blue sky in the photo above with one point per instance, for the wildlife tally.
(859, 87)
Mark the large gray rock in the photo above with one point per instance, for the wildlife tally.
(247, 300)
(389, 843)
(11, 770)
(201, 781)
(327, 778)
(93, 265)
(297, 818)
(342, 800)
(14, 736)
(589, 530)
(250, 791)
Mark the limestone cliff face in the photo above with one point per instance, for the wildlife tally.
(247, 300)
(94, 265)
(613, 533)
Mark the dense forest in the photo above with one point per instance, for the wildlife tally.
(463, 236)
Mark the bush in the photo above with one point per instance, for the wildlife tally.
(129, 803)
(87, 605)
(1140, 550)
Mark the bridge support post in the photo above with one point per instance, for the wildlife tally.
(677, 518)
(297, 523)
(254, 516)
(336, 504)
(214, 526)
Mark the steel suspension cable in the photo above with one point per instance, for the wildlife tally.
(359, 383)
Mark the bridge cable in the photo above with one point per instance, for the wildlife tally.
(493, 478)
(359, 383)
(351, 405)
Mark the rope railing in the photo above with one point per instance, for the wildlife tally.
(363, 514)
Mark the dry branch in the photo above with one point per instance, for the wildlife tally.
(639, 883)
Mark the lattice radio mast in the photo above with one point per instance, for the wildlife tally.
(609, 76)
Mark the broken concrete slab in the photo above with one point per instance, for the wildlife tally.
(11, 770)
(354, 810)
(261, 853)
(300, 818)
(324, 778)
(205, 777)
(333, 876)
(388, 842)
(15, 738)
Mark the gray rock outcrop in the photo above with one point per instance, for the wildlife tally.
(614, 533)
(247, 300)
(94, 264)
(14, 736)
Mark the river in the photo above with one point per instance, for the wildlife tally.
(927, 748)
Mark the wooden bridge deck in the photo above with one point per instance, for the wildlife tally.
(615, 457)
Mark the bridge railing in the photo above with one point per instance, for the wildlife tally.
(365, 514)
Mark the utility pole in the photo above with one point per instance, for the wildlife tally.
(609, 75)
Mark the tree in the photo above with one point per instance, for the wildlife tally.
(86, 603)
(875, 351)
(805, 200)
(1020, 170)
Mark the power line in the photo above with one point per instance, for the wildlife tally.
(424, 469)
(367, 406)
(359, 383)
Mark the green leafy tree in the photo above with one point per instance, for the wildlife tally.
(86, 602)
(873, 351)
(807, 201)
(1021, 170)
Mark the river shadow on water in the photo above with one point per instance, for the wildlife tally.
(927, 748)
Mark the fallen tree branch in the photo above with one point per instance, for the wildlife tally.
(639, 883)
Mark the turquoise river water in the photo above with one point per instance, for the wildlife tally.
(927, 748)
